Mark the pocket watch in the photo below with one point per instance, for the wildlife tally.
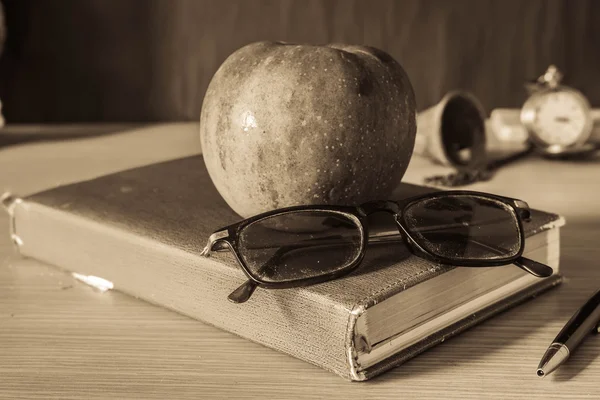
(558, 118)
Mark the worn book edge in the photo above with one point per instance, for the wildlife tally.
(10, 202)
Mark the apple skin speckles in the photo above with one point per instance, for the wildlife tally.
(286, 124)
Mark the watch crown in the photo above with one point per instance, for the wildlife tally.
(552, 77)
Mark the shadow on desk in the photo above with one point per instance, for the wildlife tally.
(579, 360)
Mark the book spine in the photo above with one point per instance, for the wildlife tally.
(294, 321)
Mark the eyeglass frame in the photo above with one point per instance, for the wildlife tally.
(229, 236)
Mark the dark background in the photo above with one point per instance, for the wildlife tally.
(149, 60)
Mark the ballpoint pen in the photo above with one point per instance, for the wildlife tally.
(584, 321)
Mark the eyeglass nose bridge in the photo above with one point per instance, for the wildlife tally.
(388, 206)
(395, 209)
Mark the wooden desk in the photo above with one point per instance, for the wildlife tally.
(61, 339)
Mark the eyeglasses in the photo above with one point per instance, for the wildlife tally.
(305, 245)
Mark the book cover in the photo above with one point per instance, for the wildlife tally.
(144, 229)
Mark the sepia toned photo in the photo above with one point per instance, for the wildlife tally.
(299, 199)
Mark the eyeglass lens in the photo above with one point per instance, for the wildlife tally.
(464, 227)
(300, 245)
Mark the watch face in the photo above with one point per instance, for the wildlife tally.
(557, 118)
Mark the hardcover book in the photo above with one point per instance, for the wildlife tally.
(143, 230)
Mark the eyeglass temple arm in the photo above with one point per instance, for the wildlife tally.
(243, 293)
(531, 266)
(435, 228)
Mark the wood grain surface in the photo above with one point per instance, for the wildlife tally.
(62, 339)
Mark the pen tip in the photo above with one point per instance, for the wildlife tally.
(556, 354)
(540, 373)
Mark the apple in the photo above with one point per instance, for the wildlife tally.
(286, 124)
